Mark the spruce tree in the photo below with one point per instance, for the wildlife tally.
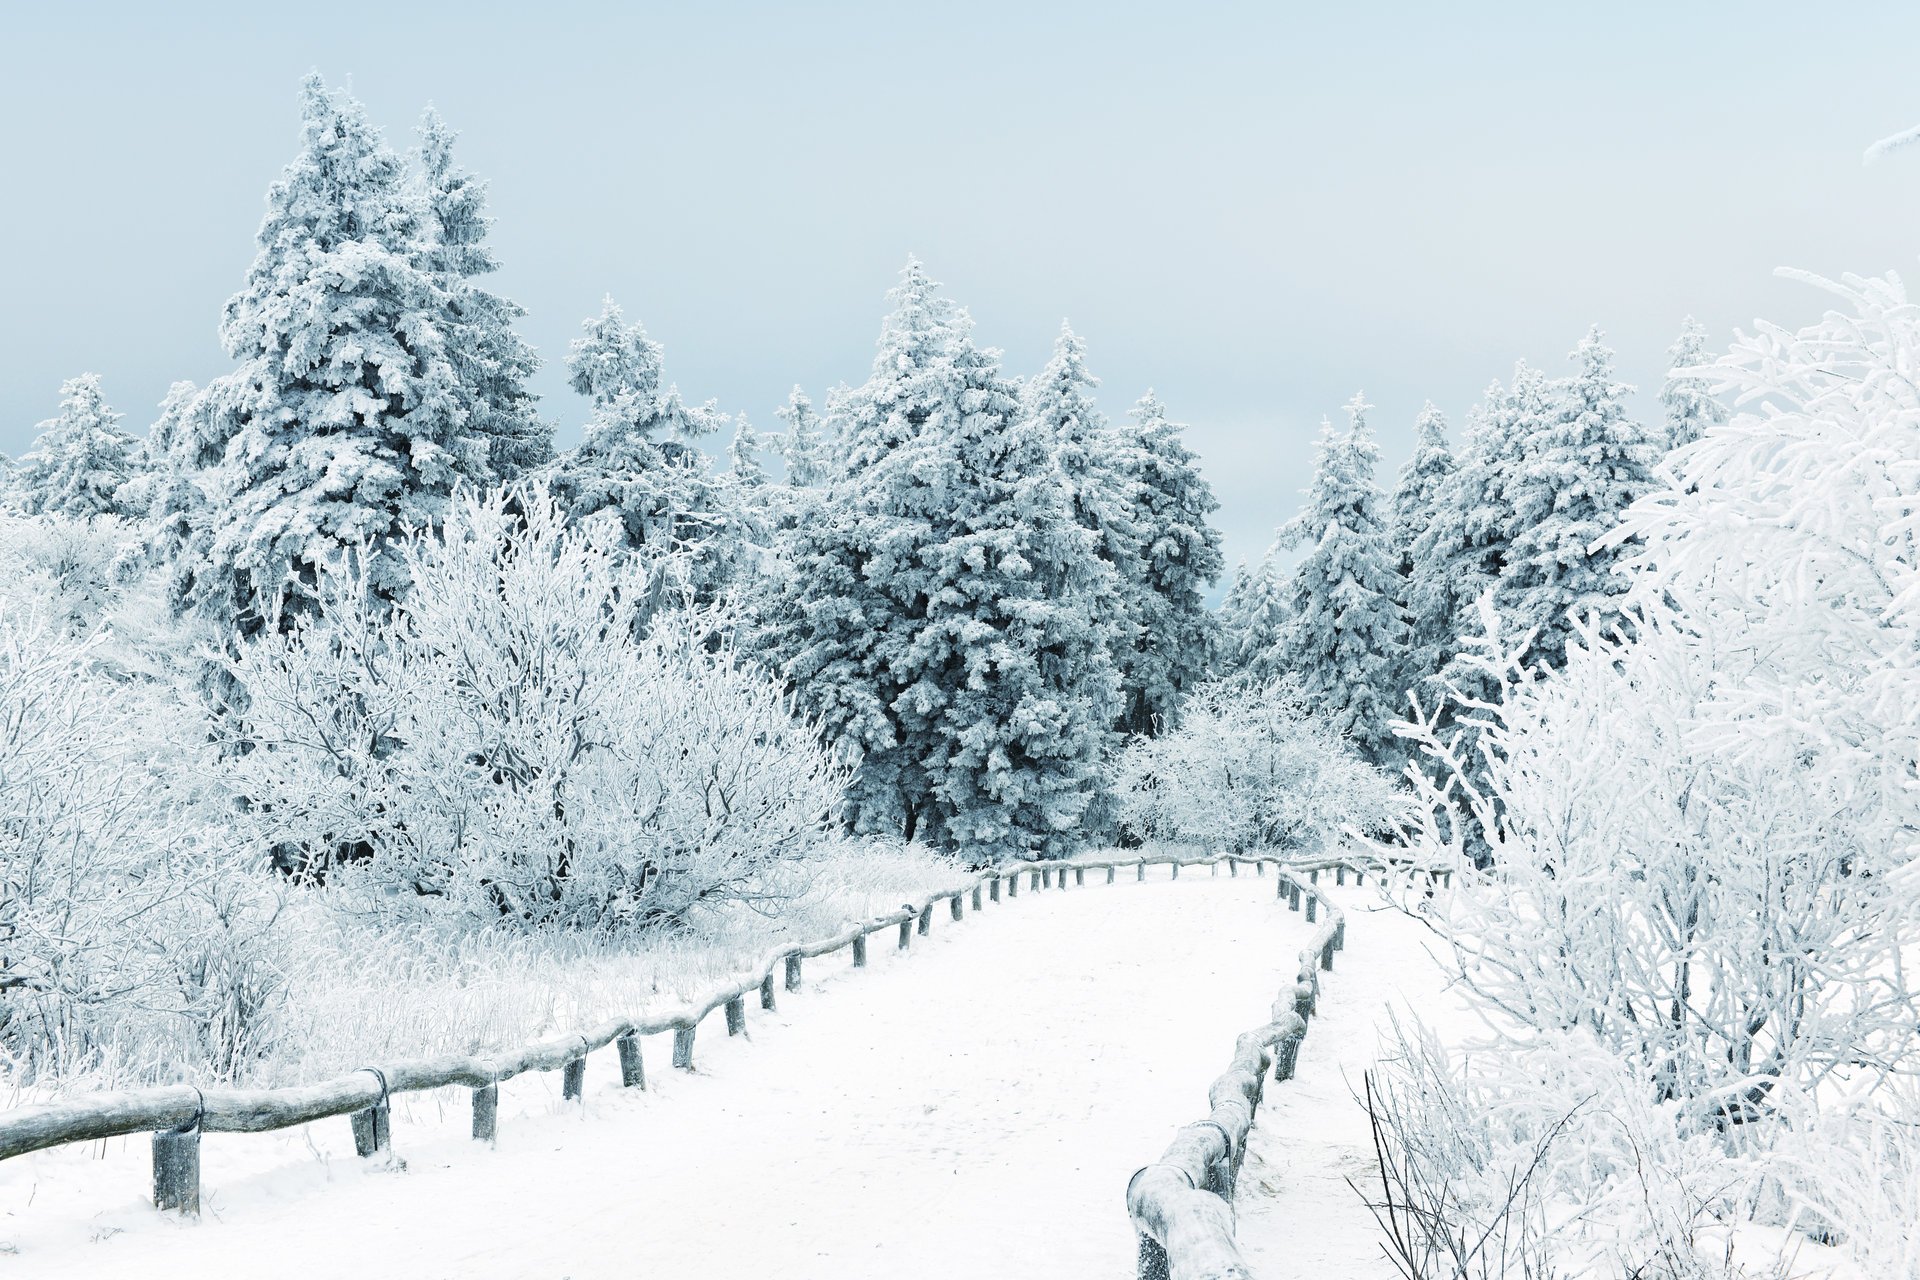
(1251, 628)
(1179, 560)
(743, 454)
(939, 614)
(81, 459)
(1345, 635)
(1575, 479)
(1416, 504)
(1688, 399)
(345, 423)
(491, 363)
(636, 478)
(806, 447)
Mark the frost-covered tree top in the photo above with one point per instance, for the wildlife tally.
(1345, 630)
(1179, 560)
(1577, 475)
(807, 446)
(346, 421)
(912, 375)
(491, 361)
(1688, 396)
(1417, 496)
(743, 453)
(1253, 623)
(81, 458)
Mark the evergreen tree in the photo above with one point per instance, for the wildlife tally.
(1345, 634)
(1249, 647)
(345, 423)
(1179, 560)
(1688, 399)
(1575, 479)
(490, 362)
(81, 459)
(636, 477)
(938, 616)
(807, 448)
(743, 452)
(1416, 504)
(1466, 546)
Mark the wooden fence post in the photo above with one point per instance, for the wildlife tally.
(793, 973)
(955, 907)
(1260, 867)
(1359, 877)
(766, 991)
(1340, 874)
(1013, 885)
(1140, 873)
(736, 1015)
(573, 1079)
(1176, 871)
(1313, 900)
(860, 952)
(926, 920)
(633, 1066)
(1110, 871)
(993, 888)
(486, 1113)
(176, 1170)
(1233, 867)
(1079, 875)
(976, 894)
(1293, 896)
(1041, 878)
(683, 1048)
(372, 1129)
(1214, 870)
(906, 934)
(1340, 935)
(1313, 876)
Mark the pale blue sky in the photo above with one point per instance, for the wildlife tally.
(1255, 209)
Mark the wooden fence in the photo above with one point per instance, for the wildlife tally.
(177, 1115)
(1181, 1206)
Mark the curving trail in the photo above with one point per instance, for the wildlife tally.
(970, 1108)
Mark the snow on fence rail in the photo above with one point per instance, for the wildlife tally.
(1180, 1205)
(177, 1115)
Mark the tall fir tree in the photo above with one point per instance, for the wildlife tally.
(1179, 560)
(1416, 503)
(806, 447)
(938, 615)
(1249, 643)
(1575, 479)
(81, 459)
(491, 363)
(1345, 633)
(1688, 399)
(345, 424)
(636, 478)
(743, 453)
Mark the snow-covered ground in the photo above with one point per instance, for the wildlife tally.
(971, 1108)
(1297, 1216)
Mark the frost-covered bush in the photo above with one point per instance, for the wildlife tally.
(1249, 767)
(116, 893)
(529, 737)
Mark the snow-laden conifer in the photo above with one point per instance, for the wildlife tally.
(1345, 635)
(1179, 560)
(1251, 624)
(346, 421)
(1576, 477)
(1416, 503)
(743, 453)
(807, 446)
(635, 477)
(491, 363)
(1688, 398)
(80, 460)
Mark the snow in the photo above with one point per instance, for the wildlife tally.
(1297, 1215)
(973, 1107)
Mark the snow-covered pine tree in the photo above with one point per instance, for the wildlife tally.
(936, 613)
(806, 447)
(345, 423)
(1252, 625)
(491, 363)
(1415, 505)
(1574, 480)
(1688, 397)
(1102, 478)
(80, 460)
(743, 453)
(1345, 635)
(1466, 546)
(635, 477)
(1179, 561)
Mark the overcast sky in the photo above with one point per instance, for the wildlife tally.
(1254, 209)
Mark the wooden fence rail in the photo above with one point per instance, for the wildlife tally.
(1181, 1205)
(176, 1115)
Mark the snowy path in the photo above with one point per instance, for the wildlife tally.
(1296, 1216)
(971, 1108)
